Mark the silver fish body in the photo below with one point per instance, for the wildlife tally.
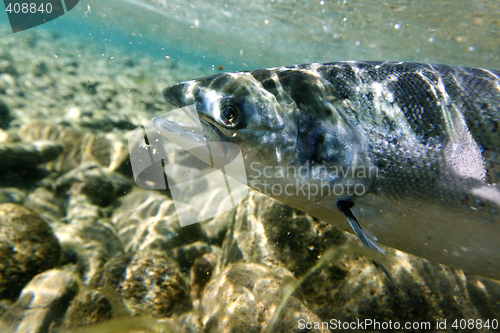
(413, 148)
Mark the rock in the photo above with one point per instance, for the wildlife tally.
(185, 255)
(153, 223)
(244, 298)
(93, 306)
(12, 195)
(42, 303)
(217, 227)
(137, 324)
(154, 285)
(107, 121)
(44, 202)
(28, 155)
(7, 67)
(19, 161)
(485, 294)
(349, 286)
(8, 83)
(79, 147)
(428, 292)
(5, 117)
(4, 136)
(147, 283)
(90, 190)
(188, 323)
(101, 300)
(113, 272)
(27, 247)
(201, 272)
(100, 186)
(89, 243)
(266, 231)
(5, 305)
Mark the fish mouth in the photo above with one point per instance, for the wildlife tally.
(185, 135)
(190, 134)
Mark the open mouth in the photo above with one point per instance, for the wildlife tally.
(183, 127)
(179, 131)
(188, 133)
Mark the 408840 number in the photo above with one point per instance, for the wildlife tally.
(29, 8)
(475, 324)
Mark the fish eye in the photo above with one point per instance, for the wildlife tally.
(229, 112)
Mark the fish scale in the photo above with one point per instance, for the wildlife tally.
(421, 140)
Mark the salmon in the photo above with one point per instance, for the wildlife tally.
(404, 154)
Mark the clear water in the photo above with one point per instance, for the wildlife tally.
(197, 38)
(254, 34)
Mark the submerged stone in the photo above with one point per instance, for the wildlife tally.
(147, 283)
(201, 272)
(153, 223)
(42, 303)
(100, 186)
(27, 247)
(154, 285)
(244, 298)
(45, 202)
(88, 243)
(79, 147)
(28, 155)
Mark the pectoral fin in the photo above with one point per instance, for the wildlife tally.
(366, 239)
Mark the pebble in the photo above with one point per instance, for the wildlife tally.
(28, 155)
(101, 299)
(79, 147)
(20, 161)
(217, 227)
(42, 303)
(90, 191)
(154, 285)
(92, 306)
(5, 116)
(201, 272)
(7, 67)
(186, 255)
(100, 186)
(266, 231)
(45, 202)
(147, 283)
(12, 195)
(244, 297)
(27, 247)
(88, 243)
(153, 223)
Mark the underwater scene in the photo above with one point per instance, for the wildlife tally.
(249, 166)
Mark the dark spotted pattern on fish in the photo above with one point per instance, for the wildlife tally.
(431, 132)
(423, 92)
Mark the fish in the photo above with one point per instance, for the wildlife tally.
(399, 153)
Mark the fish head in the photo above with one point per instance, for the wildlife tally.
(233, 107)
(283, 120)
